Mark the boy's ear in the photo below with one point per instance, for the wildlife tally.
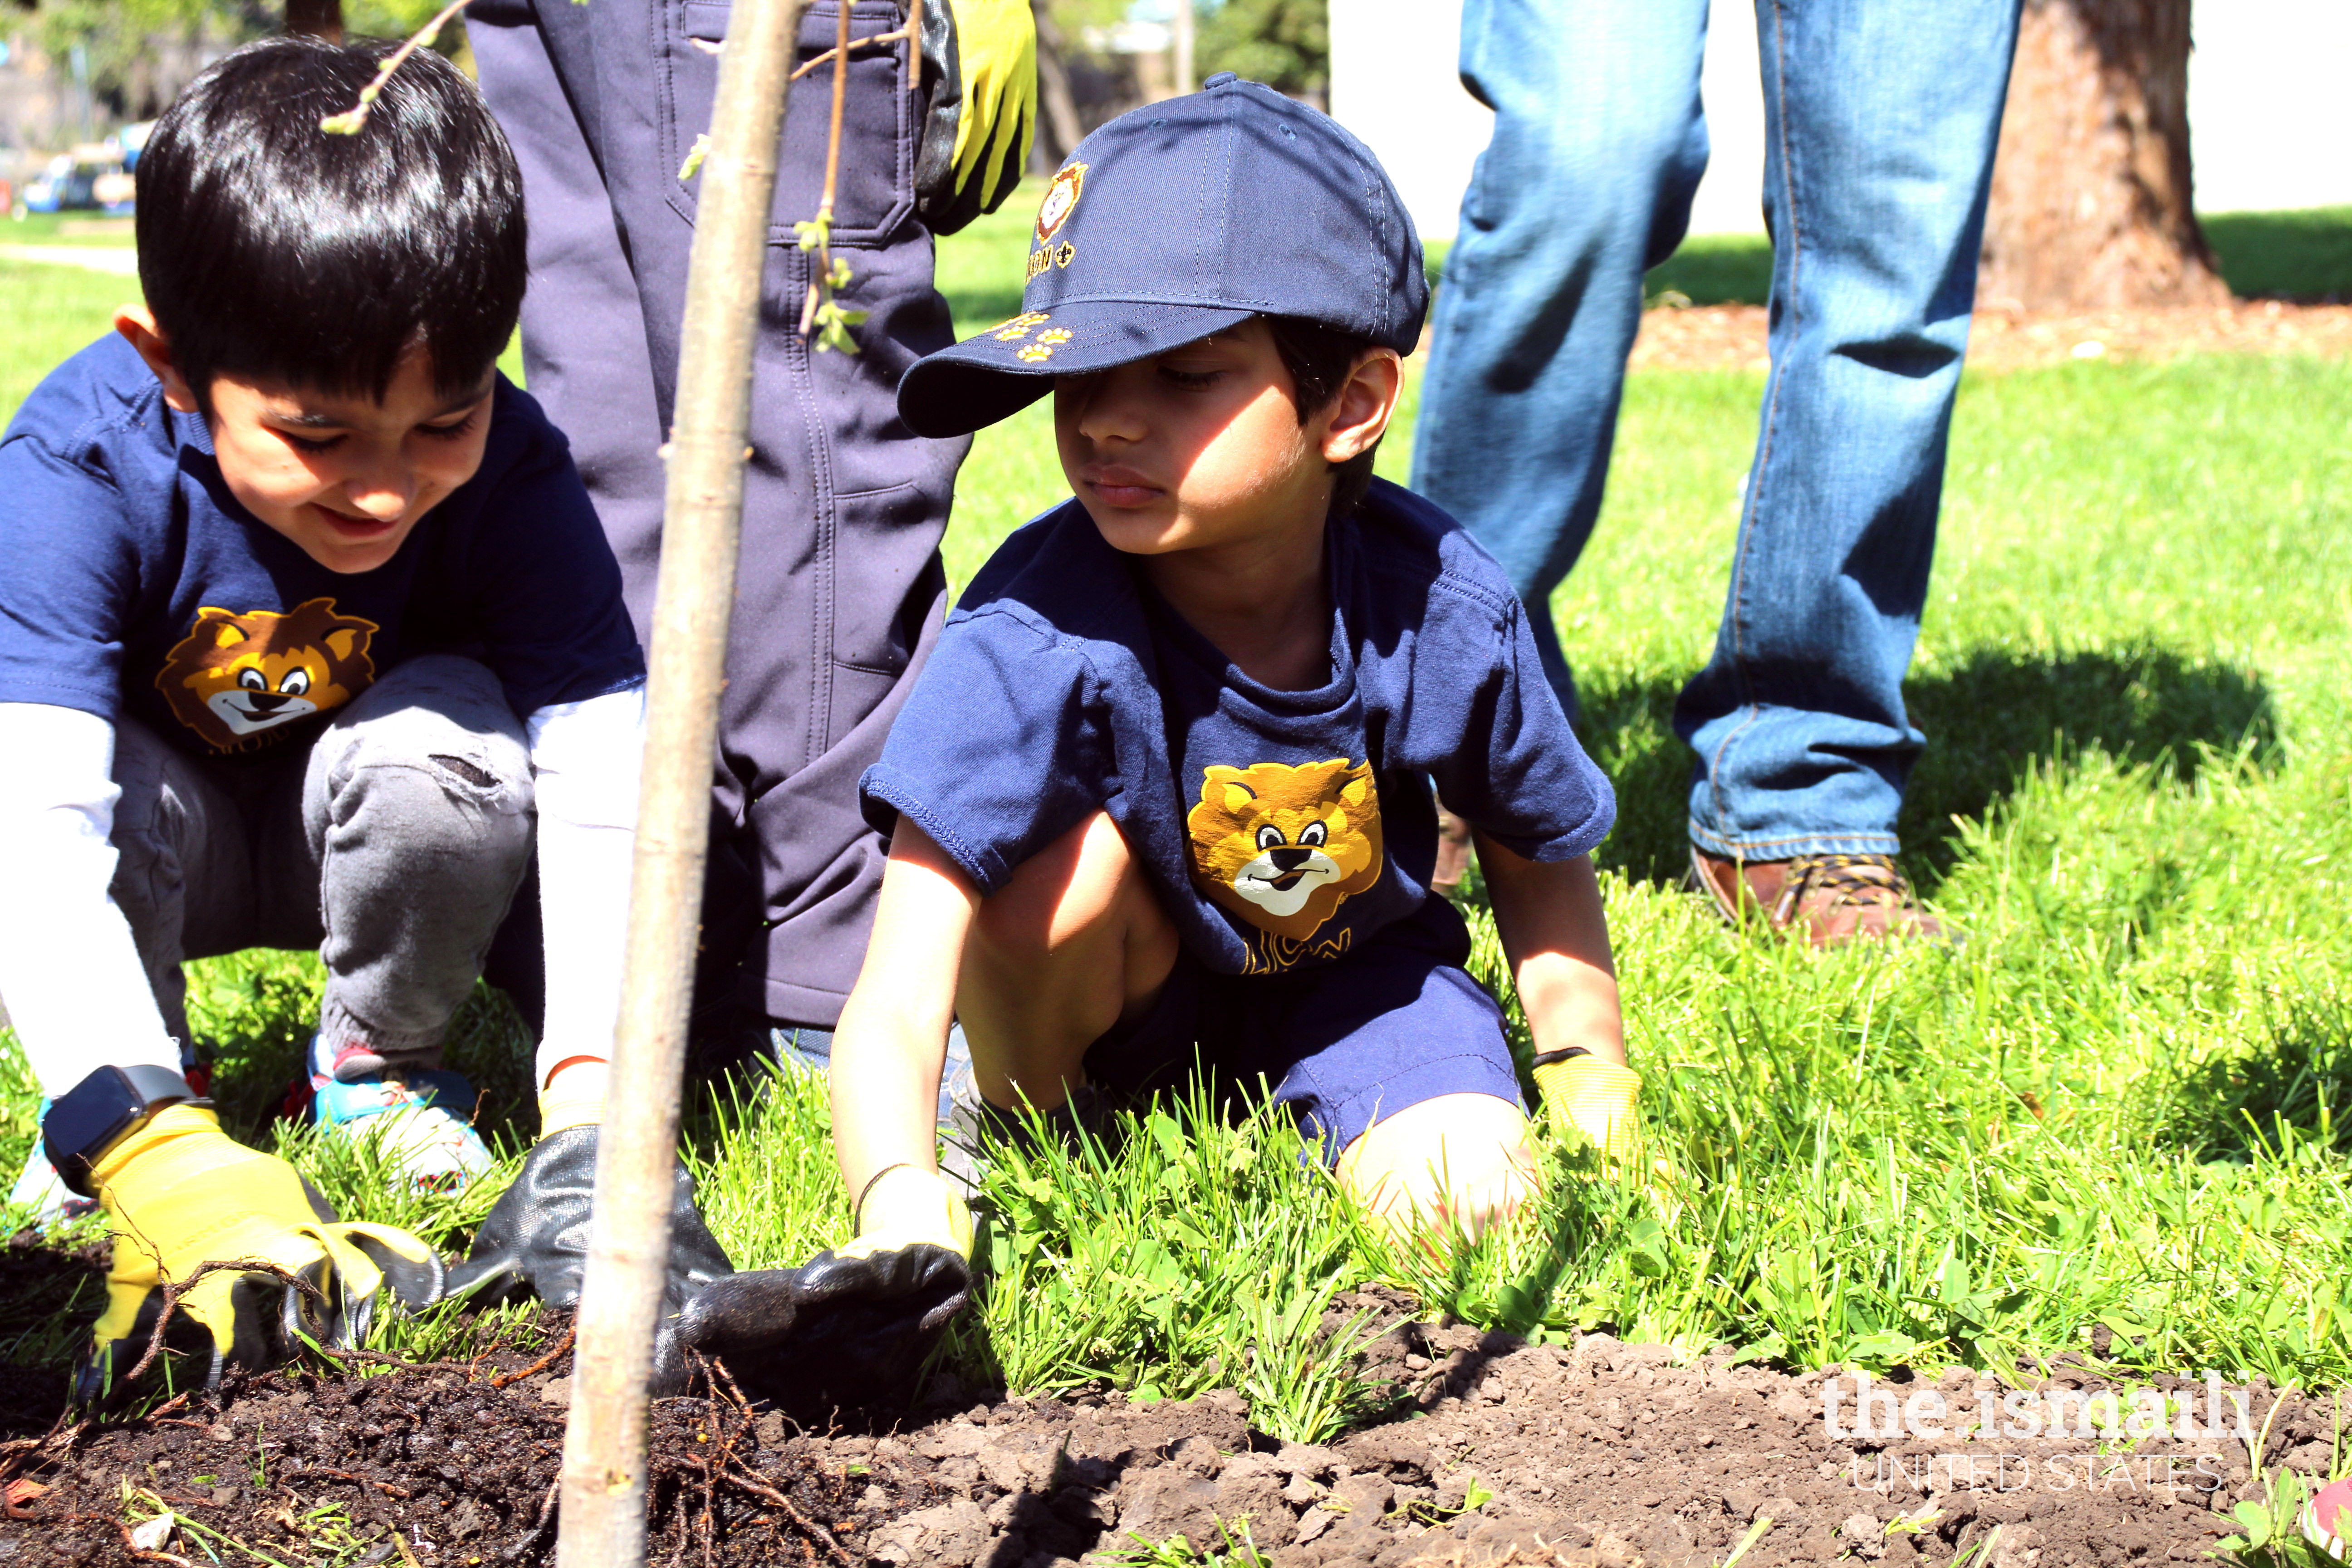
(1360, 416)
(137, 324)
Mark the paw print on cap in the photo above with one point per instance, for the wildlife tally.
(1043, 349)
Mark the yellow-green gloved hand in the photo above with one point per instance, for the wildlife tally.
(1595, 1097)
(181, 1194)
(981, 58)
(906, 1207)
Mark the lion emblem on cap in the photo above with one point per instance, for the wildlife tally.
(235, 677)
(1061, 197)
(1285, 846)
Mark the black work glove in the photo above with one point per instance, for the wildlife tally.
(534, 1242)
(852, 1327)
(836, 1333)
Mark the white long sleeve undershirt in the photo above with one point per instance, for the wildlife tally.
(70, 974)
(585, 758)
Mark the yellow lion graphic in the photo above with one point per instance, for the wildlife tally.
(1285, 846)
(233, 676)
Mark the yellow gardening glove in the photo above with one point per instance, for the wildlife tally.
(1595, 1097)
(182, 1194)
(982, 55)
(907, 1205)
(574, 1097)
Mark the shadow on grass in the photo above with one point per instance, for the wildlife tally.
(2295, 1087)
(51, 1291)
(1714, 270)
(2303, 255)
(1708, 269)
(1989, 721)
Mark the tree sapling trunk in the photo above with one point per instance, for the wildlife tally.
(603, 1499)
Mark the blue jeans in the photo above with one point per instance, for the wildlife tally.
(1881, 118)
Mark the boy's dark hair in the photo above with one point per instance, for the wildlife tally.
(1320, 359)
(270, 249)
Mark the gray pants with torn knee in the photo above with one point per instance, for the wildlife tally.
(393, 846)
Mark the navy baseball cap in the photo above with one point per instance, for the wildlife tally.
(1176, 220)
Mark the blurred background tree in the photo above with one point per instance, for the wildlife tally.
(133, 56)
(1099, 58)
(370, 19)
(1285, 44)
(136, 54)
(2092, 194)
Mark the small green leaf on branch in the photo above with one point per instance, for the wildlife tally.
(349, 122)
(833, 324)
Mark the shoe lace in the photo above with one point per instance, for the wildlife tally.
(1843, 880)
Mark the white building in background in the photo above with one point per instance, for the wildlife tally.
(2269, 110)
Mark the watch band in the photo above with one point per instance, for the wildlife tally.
(97, 1113)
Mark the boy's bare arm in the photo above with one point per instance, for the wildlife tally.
(891, 1043)
(1556, 939)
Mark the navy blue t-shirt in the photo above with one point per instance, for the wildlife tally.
(132, 582)
(1280, 829)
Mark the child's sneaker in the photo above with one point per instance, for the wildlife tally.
(40, 1188)
(418, 1115)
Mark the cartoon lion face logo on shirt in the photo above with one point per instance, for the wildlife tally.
(236, 677)
(1285, 846)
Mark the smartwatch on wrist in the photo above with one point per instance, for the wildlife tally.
(97, 1113)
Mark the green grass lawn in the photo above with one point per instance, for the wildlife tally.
(2117, 1103)
(67, 228)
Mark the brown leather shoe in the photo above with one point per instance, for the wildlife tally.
(1829, 899)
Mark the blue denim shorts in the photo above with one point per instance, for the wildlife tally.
(1343, 1045)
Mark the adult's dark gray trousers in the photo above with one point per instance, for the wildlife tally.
(841, 592)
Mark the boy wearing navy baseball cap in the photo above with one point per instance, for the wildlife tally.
(1162, 791)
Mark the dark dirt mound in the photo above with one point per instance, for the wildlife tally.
(444, 1464)
(1599, 1454)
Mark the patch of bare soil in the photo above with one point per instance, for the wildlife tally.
(1597, 1456)
(1731, 337)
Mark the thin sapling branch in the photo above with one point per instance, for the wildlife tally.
(349, 122)
(823, 317)
(821, 310)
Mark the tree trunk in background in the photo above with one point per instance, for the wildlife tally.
(318, 18)
(1061, 125)
(2091, 194)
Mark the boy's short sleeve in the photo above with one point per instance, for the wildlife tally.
(545, 608)
(72, 571)
(1521, 777)
(1003, 747)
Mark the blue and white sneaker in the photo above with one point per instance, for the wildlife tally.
(418, 1116)
(41, 1189)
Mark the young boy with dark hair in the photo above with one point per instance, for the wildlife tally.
(1164, 788)
(307, 631)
